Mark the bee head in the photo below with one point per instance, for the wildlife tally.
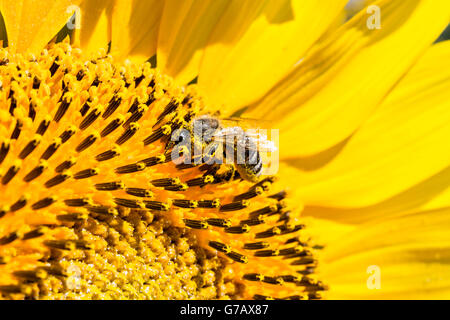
(205, 127)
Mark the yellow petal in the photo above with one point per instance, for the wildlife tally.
(442, 200)
(342, 80)
(403, 144)
(135, 28)
(411, 256)
(354, 6)
(323, 231)
(185, 27)
(433, 193)
(31, 24)
(256, 43)
(95, 31)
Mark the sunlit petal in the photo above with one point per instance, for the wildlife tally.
(185, 27)
(95, 31)
(400, 146)
(135, 27)
(256, 43)
(340, 83)
(410, 255)
(31, 24)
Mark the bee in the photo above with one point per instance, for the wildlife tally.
(222, 142)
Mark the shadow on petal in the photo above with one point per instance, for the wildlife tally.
(401, 204)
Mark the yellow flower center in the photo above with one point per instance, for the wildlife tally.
(92, 205)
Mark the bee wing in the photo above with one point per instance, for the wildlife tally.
(256, 141)
(229, 131)
(266, 146)
(246, 123)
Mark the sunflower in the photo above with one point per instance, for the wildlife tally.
(93, 205)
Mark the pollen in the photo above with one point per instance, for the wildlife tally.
(92, 205)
